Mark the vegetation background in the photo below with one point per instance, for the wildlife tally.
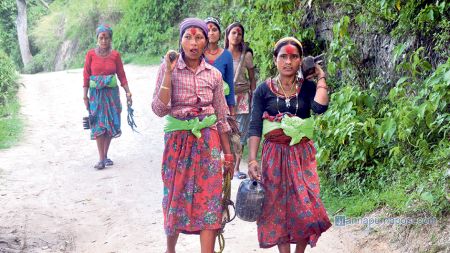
(385, 140)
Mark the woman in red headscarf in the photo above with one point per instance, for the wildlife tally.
(281, 112)
(189, 93)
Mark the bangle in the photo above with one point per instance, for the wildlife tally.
(323, 77)
(228, 157)
(252, 162)
(164, 87)
(128, 94)
(322, 86)
(85, 98)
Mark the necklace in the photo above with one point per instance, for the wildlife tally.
(213, 53)
(287, 99)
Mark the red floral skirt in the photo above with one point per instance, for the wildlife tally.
(192, 177)
(293, 210)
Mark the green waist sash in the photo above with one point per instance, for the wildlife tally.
(194, 125)
(226, 88)
(103, 81)
(294, 127)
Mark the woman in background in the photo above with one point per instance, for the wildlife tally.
(221, 59)
(244, 83)
(100, 69)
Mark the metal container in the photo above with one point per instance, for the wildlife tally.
(249, 200)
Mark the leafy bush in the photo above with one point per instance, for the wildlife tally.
(8, 79)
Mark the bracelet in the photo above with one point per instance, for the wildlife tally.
(252, 162)
(228, 157)
(323, 77)
(322, 86)
(164, 87)
(85, 98)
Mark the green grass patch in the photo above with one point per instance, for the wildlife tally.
(10, 125)
(360, 204)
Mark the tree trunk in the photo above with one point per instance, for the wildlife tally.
(22, 32)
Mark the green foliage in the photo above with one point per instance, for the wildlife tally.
(8, 79)
(10, 125)
(370, 142)
(149, 26)
(75, 22)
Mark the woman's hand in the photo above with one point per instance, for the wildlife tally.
(171, 59)
(318, 73)
(129, 99)
(254, 171)
(86, 102)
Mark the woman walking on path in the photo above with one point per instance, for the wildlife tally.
(221, 59)
(281, 111)
(100, 69)
(244, 83)
(189, 92)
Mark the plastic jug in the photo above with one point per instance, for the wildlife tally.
(249, 200)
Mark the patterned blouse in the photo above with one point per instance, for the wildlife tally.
(193, 94)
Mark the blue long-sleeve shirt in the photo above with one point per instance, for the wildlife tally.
(224, 63)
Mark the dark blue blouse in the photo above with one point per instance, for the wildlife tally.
(224, 63)
(265, 100)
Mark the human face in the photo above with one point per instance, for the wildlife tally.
(288, 60)
(213, 33)
(104, 40)
(235, 36)
(193, 43)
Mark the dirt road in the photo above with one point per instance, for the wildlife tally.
(53, 200)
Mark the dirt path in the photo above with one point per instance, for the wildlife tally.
(52, 200)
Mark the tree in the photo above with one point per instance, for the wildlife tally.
(22, 32)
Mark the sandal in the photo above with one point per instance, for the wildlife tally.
(240, 175)
(108, 162)
(100, 165)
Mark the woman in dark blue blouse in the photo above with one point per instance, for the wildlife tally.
(221, 59)
(281, 112)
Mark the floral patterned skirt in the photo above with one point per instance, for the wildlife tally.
(105, 108)
(192, 178)
(293, 210)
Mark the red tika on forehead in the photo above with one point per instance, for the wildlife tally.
(193, 30)
(290, 49)
(210, 26)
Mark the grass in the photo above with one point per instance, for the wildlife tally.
(360, 204)
(10, 125)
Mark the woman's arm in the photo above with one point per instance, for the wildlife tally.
(229, 78)
(321, 96)
(163, 90)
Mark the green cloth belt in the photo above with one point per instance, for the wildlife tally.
(226, 88)
(112, 83)
(195, 125)
(294, 127)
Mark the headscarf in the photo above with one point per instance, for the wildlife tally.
(104, 28)
(227, 32)
(214, 21)
(291, 39)
(189, 22)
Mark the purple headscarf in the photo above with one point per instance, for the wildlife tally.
(189, 22)
(104, 28)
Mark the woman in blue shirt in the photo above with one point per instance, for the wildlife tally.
(220, 59)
